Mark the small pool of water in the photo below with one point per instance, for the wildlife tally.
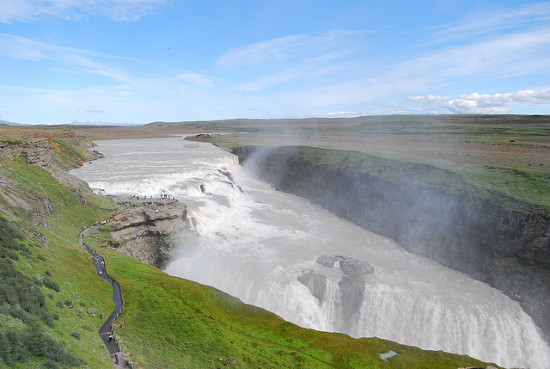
(388, 355)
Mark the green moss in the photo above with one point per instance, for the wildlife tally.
(66, 155)
(10, 141)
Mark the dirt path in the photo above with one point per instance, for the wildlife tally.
(106, 330)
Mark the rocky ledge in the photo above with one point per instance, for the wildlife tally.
(145, 228)
(35, 151)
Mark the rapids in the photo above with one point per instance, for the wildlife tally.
(261, 245)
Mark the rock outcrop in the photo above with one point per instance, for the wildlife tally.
(37, 151)
(507, 248)
(350, 266)
(315, 282)
(145, 228)
(353, 267)
(351, 285)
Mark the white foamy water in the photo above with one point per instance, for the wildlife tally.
(254, 242)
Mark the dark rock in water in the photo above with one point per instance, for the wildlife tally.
(315, 282)
(98, 155)
(327, 260)
(352, 291)
(349, 266)
(203, 189)
(354, 267)
(227, 174)
(203, 135)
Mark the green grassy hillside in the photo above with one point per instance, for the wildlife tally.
(52, 302)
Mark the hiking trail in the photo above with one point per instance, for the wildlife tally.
(120, 361)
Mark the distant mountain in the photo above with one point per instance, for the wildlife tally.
(75, 123)
(10, 123)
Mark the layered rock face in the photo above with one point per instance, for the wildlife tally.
(508, 249)
(35, 152)
(145, 228)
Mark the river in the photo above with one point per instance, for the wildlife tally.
(263, 246)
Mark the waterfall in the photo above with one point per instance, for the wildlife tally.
(280, 252)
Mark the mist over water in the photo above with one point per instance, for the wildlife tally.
(261, 245)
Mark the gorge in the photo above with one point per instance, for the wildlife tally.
(279, 252)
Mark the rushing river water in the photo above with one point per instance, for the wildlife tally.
(262, 246)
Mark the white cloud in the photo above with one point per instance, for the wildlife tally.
(23, 48)
(196, 79)
(485, 103)
(310, 69)
(503, 56)
(428, 99)
(507, 56)
(295, 46)
(118, 10)
(487, 22)
(339, 114)
(277, 49)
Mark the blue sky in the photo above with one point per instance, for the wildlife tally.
(138, 61)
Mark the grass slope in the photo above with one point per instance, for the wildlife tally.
(512, 188)
(50, 269)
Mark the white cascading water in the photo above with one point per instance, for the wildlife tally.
(263, 246)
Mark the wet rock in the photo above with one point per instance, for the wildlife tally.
(97, 155)
(355, 267)
(227, 174)
(315, 282)
(327, 260)
(352, 292)
(349, 266)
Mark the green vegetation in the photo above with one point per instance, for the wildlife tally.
(23, 308)
(42, 268)
(66, 155)
(10, 141)
(510, 187)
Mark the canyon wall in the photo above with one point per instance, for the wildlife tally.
(508, 249)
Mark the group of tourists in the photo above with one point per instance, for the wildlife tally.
(161, 197)
(110, 220)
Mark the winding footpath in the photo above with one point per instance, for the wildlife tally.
(106, 329)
